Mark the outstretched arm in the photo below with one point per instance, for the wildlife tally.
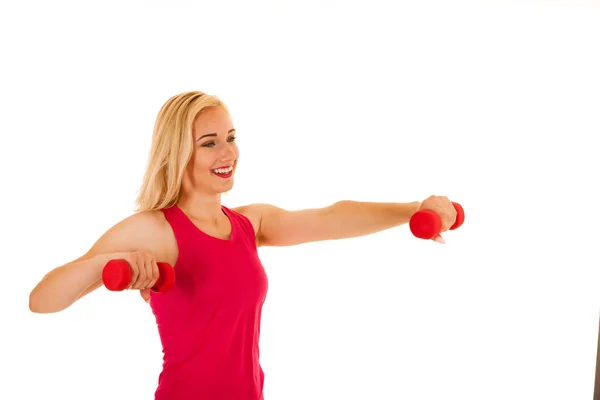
(341, 220)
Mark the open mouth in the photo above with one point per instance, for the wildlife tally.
(224, 172)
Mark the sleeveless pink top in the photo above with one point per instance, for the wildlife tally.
(209, 322)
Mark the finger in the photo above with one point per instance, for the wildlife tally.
(447, 225)
(439, 239)
(149, 273)
(143, 277)
(155, 273)
(145, 293)
(449, 220)
(141, 273)
(134, 273)
(454, 216)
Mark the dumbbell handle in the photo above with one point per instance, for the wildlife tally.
(427, 224)
(116, 276)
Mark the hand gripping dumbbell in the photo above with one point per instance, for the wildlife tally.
(116, 276)
(427, 224)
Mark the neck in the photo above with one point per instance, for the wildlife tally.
(201, 206)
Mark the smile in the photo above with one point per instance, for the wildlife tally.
(225, 172)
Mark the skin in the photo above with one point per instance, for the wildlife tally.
(214, 136)
(146, 237)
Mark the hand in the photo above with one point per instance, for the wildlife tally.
(144, 271)
(442, 206)
(145, 293)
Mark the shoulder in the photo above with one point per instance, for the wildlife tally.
(140, 221)
(141, 231)
(148, 231)
(144, 228)
(251, 212)
(256, 212)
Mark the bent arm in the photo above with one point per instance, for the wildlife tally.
(64, 285)
(341, 220)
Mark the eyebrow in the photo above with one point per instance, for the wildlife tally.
(213, 134)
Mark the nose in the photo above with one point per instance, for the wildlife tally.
(227, 153)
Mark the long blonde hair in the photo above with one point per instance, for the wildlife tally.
(171, 149)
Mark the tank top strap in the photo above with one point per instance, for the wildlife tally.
(242, 226)
(184, 231)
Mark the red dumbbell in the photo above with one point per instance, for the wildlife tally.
(426, 224)
(116, 276)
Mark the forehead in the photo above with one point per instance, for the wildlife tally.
(212, 120)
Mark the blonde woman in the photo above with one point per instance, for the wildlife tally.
(209, 322)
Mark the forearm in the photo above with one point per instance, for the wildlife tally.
(353, 218)
(64, 285)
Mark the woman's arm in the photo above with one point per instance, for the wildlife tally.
(341, 220)
(64, 285)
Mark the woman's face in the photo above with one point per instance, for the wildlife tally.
(215, 155)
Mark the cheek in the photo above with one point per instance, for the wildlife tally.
(199, 163)
(202, 166)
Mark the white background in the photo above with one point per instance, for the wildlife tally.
(494, 104)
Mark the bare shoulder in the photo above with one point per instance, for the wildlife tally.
(151, 225)
(155, 230)
(141, 231)
(144, 225)
(255, 212)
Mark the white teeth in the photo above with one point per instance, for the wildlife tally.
(223, 170)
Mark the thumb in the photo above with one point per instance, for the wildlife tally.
(145, 293)
(439, 239)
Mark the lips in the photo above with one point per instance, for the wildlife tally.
(223, 172)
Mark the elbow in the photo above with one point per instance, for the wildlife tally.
(34, 304)
(37, 305)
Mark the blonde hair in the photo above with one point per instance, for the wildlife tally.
(171, 149)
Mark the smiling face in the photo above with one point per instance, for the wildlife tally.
(213, 163)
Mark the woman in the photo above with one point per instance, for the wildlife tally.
(209, 322)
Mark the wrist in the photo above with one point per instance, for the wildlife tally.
(404, 211)
(99, 261)
(413, 207)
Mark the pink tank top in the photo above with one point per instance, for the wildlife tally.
(209, 322)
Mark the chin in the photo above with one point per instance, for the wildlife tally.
(224, 187)
(222, 183)
(227, 188)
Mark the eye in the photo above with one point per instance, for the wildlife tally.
(213, 144)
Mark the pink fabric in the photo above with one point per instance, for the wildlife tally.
(209, 322)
